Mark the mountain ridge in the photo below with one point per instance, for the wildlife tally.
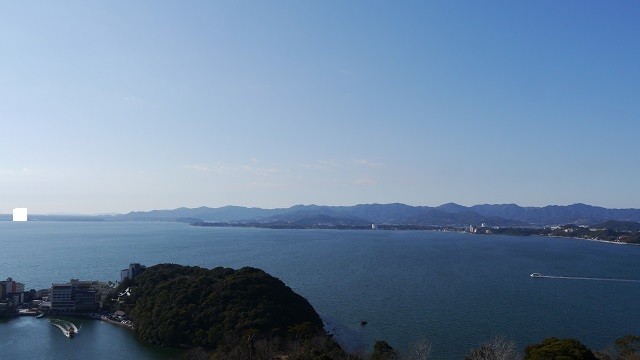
(449, 214)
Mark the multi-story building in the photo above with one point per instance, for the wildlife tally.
(12, 290)
(74, 296)
(84, 295)
(61, 298)
(131, 272)
(12, 287)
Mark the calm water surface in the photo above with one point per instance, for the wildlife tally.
(36, 339)
(457, 290)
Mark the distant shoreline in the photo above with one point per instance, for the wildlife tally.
(392, 228)
(289, 226)
(597, 240)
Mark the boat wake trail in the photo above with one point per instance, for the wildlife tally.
(62, 328)
(68, 328)
(589, 278)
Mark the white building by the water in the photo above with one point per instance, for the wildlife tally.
(131, 271)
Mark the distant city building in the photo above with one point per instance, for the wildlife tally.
(42, 293)
(12, 290)
(17, 298)
(20, 214)
(131, 272)
(12, 287)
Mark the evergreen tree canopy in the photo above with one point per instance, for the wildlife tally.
(192, 306)
(555, 349)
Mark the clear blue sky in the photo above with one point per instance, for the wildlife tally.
(114, 106)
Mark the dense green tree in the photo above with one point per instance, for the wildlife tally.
(629, 346)
(625, 348)
(555, 349)
(30, 295)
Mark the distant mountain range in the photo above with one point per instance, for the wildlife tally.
(452, 215)
(393, 214)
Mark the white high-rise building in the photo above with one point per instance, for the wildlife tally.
(133, 270)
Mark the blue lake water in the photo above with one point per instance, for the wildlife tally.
(38, 339)
(456, 290)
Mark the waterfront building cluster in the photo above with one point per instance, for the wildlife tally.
(12, 295)
(75, 296)
(12, 290)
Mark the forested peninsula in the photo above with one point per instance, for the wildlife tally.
(232, 313)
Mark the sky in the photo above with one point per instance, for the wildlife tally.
(118, 106)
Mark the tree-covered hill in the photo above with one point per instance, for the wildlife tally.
(191, 306)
